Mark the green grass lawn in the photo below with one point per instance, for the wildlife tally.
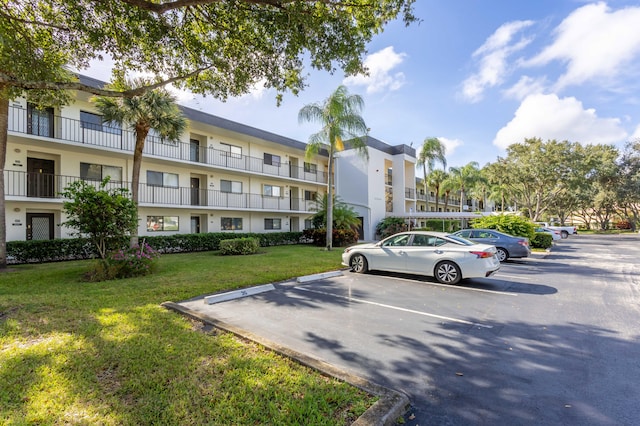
(73, 352)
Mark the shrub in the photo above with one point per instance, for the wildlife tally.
(341, 237)
(623, 224)
(39, 251)
(391, 225)
(509, 224)
(239, 246)
(441, 225)
(542, 240)
(125, 263)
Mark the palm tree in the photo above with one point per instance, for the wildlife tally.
(464, 178)
(435, 180)
(432, 151)
(154, 109)
(340, 118)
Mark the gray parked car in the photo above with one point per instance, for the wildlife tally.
(506, 245)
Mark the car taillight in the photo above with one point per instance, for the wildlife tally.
(482, 254)
(523, 242)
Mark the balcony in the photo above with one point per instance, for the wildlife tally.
(104, 136)
(46, 186)
(410, 193)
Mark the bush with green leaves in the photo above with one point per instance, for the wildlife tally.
(135, 261)
(391, 225)
(340, 237)
(344, 216)
(102, 215)
(542, 240)
(441, 225)
(508, 223)
(239, 246)
(40, 251)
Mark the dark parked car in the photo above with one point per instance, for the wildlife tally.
(506, 245)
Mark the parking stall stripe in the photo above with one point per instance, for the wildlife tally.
(382, 305)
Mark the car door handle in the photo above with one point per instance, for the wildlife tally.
(438, 252)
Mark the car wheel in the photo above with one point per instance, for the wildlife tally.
(564, 235)
(502, 254)
(447, 273)
(358, 264)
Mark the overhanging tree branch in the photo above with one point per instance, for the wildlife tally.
(8, 81)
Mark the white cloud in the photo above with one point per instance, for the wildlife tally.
(595, 43)
(549, 117)
(636, 134)
(380, 66)
(524, 87)
(450, 145)
(492, 57)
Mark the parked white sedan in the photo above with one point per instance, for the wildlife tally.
(447, 258)
(555, 234)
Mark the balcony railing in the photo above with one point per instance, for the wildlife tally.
(42, 185)
(104, 136)
(410, 193)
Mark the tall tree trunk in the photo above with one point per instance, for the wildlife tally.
(330, 203)
(4, 126)
(141, 135)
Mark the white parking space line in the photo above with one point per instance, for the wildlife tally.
(382, 305)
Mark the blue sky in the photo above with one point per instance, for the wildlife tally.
(479, 75)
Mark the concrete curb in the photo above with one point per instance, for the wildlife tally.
(390, 406)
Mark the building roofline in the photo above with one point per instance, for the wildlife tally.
(223, 123)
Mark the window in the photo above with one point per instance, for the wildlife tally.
(231, 150)
(99, 172)
(273, 160)
(271, 191)
(230, 223)
(162, 223)
(398, 240)
(310, 168)
(91, 121)
(39, 121)
(308, 224)
(231, 186)
(273, 224)
(162, 179)
(310, 195)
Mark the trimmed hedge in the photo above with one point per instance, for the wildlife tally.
(542, 240)
(239, 246)
(42, 251)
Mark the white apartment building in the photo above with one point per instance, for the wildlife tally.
(385, 185)
(221, 177)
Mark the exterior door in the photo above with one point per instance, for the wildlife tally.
(195, 191)
(195, 224)
(392, 254)
(40, 226)
(294, 200)
(194, 150)
(40, 178)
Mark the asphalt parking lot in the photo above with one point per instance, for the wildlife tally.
(545, 341)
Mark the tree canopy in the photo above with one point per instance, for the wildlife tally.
(221, 48)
